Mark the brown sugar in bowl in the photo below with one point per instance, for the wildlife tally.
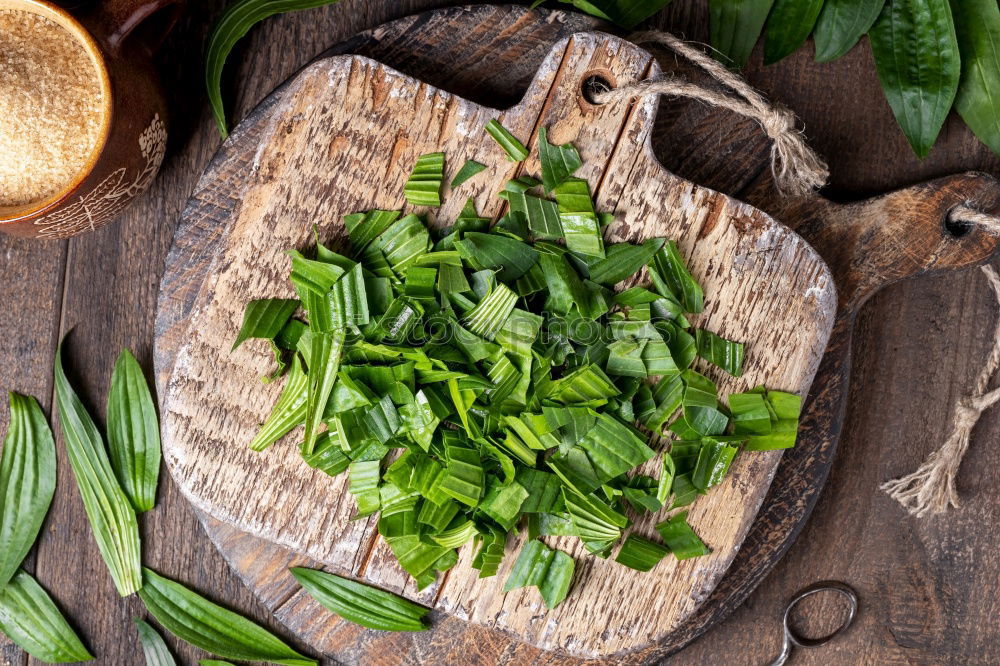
(131, 133)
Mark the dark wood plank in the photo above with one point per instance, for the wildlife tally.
(112, 282)
(806, 467)
(31, 291)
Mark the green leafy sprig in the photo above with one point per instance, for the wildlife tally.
(528, 406)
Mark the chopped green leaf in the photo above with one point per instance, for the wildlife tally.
(516, 152)
(491, 550)
(784, 409)
(312, 278)
(264, 318)
(491, 313)
(623, 260)
(750, 413)
(680, 538)
(288, 412)
(467, 376)
(672, 278)
(468, 170)
(580, 226)
(713, 463)
(364, 486)
(503, 503)
(666, 482)
(418, 558)
(363, 228)
(715, 349)
(551, 571)
(510, 257)
(324, 360)
(640, 553)
(558, 162)
(463, 478)
(541, 215)
(593, 519)
(424, 186)
(403, 243)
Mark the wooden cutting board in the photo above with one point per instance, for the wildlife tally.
(201, 235)
(343, 138)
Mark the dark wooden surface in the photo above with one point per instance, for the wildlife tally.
(928, 589)
(867, 244)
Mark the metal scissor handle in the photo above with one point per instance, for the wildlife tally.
(793, 639)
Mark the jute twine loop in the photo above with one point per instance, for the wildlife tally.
(931, 489)
(987, 222)
(797, 169)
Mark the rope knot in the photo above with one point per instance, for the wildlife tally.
(968, 410)
(778, 121)
(797, 170)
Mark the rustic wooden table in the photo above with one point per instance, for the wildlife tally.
(928, 588)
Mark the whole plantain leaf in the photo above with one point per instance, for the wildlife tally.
(359, 603)
(112, 518)
(208, 626)
(625, 13)
(916, 55)
(29, 617)
(153, 648)
(977, 23)
(734, 27)
(234, 23)
(133, 433)
(27, 482)
(841, 24)
(790, 23)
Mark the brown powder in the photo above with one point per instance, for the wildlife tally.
(51, 111)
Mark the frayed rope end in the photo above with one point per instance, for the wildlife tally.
(931, 489)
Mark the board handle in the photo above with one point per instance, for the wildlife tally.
(913, 231)
(868, 245)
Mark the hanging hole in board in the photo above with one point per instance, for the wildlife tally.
(593, 85)
(955, 225)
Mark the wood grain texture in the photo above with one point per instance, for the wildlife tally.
(929, 588)
(30, 273)
(363, 123)
(803, 470)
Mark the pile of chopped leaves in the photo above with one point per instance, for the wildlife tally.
(479, 377)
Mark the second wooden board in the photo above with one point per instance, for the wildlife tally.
(344, 139)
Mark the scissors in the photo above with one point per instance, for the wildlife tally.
(792, 639)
